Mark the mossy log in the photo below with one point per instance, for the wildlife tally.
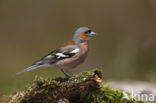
(86, 87)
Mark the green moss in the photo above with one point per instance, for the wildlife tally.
(85, 87)
(108, 95)
(86, 74)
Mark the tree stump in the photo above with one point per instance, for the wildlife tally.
(86, 87)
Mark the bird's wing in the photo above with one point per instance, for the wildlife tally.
(53, 57)
(58, 54)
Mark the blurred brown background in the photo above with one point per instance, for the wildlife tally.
(125, 47)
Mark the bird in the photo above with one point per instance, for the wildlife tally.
(69, 55)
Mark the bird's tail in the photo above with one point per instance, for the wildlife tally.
(29, 68)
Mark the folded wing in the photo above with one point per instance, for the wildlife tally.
(54, 56)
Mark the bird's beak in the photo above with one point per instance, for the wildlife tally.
(92, 34)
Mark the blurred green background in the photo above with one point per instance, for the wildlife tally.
(125, 47)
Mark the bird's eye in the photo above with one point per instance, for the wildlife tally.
(87, 32)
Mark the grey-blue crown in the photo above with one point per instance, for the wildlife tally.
(77, 32)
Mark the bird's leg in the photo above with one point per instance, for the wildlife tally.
(72, 75)
(69, 73)
(64, 72)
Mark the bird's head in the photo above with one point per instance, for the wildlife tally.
(83, 34)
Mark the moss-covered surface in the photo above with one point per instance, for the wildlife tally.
(86, 87)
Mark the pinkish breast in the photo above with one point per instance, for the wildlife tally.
(75, 60)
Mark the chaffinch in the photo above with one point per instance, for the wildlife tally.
(69, 55)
